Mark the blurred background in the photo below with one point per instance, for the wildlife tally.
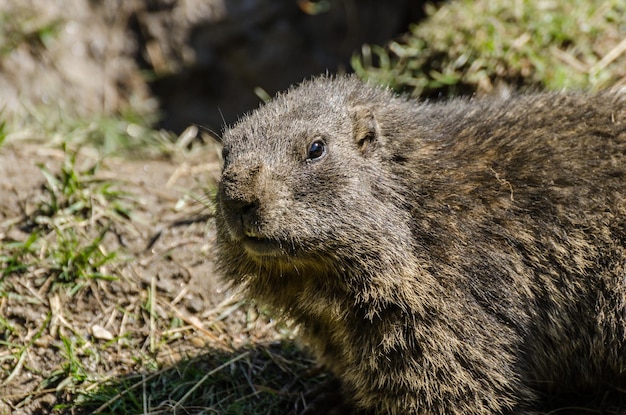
(172, 63)
(181, 62)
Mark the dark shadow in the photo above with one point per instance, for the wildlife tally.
(275, 379)
(607, 401)
(266, 379)
(270, 46)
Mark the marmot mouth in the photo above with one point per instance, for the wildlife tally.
(258, 246)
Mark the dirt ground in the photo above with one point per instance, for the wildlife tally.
(166, 303)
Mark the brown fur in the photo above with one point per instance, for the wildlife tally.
(441, 258)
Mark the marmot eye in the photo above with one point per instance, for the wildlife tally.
(317, 149)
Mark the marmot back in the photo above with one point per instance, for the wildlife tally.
(444, 258)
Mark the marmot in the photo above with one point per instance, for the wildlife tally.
(462, 257)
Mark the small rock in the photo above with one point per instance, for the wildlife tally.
(101, 333)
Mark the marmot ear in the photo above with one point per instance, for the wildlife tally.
(365, 129)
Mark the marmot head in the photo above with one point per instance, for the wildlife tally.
(305, 181)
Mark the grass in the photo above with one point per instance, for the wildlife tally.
(92, 318)
(3, 130)
(247, 381)
(545, 44)
(62, 251)
(96, 332)
(127, 133)
(22, 27)
(68, 226)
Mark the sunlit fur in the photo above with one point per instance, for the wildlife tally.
(464, 257)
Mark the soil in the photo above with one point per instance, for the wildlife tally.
(165, 304)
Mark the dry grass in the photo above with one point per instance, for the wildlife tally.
(108, 299)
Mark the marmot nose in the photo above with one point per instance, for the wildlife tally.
(246, 213)
(239, 206)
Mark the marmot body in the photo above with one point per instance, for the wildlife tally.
(441, 258)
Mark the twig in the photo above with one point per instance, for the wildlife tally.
(192, 321)
(22, 352)
(144, 380)
(152, 300)
(609, 57)
(205, 377)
